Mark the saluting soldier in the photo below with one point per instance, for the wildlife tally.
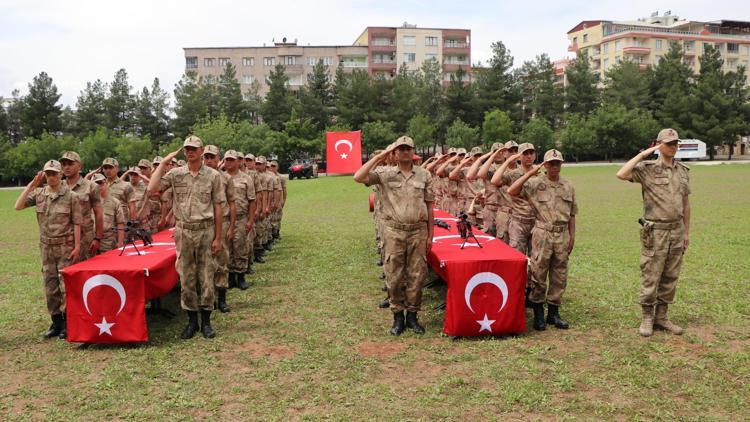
(58, 213)
(141, 196)
(198, 195)
(229, 213)
(279, 214)
(244, 201)
(452, 202)
(482, 169)
(114, 219)
(120, 190)
(91, 206)
(502, 179)
(407, 199)
(665, 235)
(554, 203)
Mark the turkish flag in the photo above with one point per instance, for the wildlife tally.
(343, 152)
(485, 284)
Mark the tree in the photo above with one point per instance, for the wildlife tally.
(131, 149)
(91, 108)
(278, 104)
(429, 92)
(377, 135)
(540, 96)
(188, 105)
(497, 127)
(577, 138)
(620, 132)
(627, 85)
(39, 111)
(230, 94)
(15, 118)
(96, 146)
(119, 104)
(460, 99)
(495, 84)
(316, 100)
(422, 131)
(581, 95)
(402, 99)
(461, 135)
(670, 88)
(538, 132)
(355, 99)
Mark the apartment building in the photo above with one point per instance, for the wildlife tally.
(378, 50)
(645, 41)
(410, 46)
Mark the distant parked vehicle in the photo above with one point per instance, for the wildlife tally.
(303, 169)
(690, 149)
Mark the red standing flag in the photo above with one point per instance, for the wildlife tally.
(343, 152)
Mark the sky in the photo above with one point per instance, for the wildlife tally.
(76, 41)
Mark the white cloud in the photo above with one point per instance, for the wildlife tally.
(80, 41)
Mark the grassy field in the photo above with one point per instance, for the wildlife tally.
(307, 341)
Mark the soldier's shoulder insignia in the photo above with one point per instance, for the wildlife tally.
(684, 166)
(541, 187)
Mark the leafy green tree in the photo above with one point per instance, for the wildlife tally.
(40, 111)
(462, 135)
(96, 146)
(581, 94)
(15, 118)
(377, 135)
(119, 104)
(497, 127)
(91, 108)
(316, 99)
(577, 138)
(278, 104)
(620, 132)
(540, 96)
(355, 99)
(189, 107)
(230, 95)
(669, 89)
(422, 131)
(460, 99)
(538, 132)
(627, 85)
(131, 149)
(403, 98)
(495, 85)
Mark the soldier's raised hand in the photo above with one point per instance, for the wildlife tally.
(39, 178)
(171, 155)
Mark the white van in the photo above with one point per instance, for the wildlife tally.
(690, 149)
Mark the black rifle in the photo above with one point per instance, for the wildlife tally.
(134, 231)
(465, 230)
(442, 224)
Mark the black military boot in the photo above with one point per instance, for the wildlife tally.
(398, 323)
(64, 328)
(249, 269)
(241, 283)
(222, 305)
(539, 324)
(259, 256)
(385, 304)
(268, 246)
(527, 302)
(275, 235)
(553, 317)
(192, 326)
(55, 328)
(232, 280)
(208, 332)
(413, 323)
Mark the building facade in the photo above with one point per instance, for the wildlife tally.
(378, 50)
(647, 40)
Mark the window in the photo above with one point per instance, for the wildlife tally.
(447, 76)
(209, 62)
(733, 48)
(269, 61)
(746, 49)
(617, 45)
(432, 41)
(689, 45)
(410, 40)
(410, 57)
(430, 56)
(312, 61)
(290, 60)
(658, 44)
(575, 40)
(223, 61)
(585, 38)
(605, 48)
(191, 62)
(327, 60)
(248, 79)
(248, 61)
(605, 64)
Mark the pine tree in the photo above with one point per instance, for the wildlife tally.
(40, 111)
(495, 85)
(119, 104)
(581, 94)
(278, 104)
(627, 85)
(189, 107)
(316, 99)
(230, 94)
(91, 108)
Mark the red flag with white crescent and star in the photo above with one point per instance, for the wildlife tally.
(343, 152)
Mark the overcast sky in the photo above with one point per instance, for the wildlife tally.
(76, 41)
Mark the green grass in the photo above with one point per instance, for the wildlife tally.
(307, 341)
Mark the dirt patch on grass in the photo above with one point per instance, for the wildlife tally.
(378, 350)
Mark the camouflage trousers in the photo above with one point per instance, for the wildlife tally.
(109, 242)
(87, 237)
(153, 222)
(549, 260)
(276, 217)
(502, 220)
(238, 248)
(196, 266)
(661, 261)
(489, 211)
(405, 265)
(251, 242)
(221, 276)
(519, 233)
(54, 259)
(262, 229)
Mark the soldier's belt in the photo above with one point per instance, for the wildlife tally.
(196, 226)
(551, 227)
(58, 240)
(664, 226)
(408, 227)
(520, 219)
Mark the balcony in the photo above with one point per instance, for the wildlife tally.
(386, 65)
(353, 65)
(573, 47)
(383, 47)
(453, 67)
(636, 49)
(293, 68)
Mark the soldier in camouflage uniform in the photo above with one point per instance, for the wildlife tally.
(665, 235)
(407, 199)
(502, 180)
(482, 169)
(221, 279)
(141, 195)
(120, 190)
(91, 207)
(114, 219)
(262, 226)
(553, 200)
(244, 189)
(58, 213)
(198, 195)
(279, 214)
